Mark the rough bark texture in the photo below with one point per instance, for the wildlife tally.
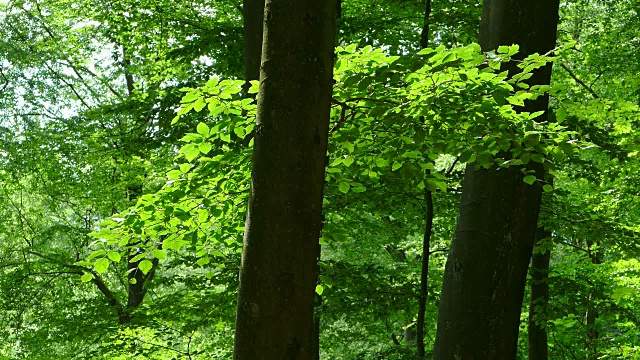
(538, 342)
(486, 270)
(279, 259)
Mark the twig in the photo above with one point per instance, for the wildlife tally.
(577, 79)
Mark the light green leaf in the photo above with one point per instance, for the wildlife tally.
(344, 187)
(114, 256)
(396, 165)
(547, 188)
(319, 289)
(203, 261)
(199, 105)
(101, 265)
(159, 254)
(205, 148)
(529, 179)
(203, 129)
(192, 154)
(145, 266)
(348, 161)
(86, 278)
(137, 258)
(96, 254)
(174, 174)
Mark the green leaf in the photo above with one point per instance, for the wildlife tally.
(255, 87)
(547, 188)
(185, 167)
(319, 289)
(561, 115)
(159, 254)
(396, 165)
(86, 277)
(203, 261)
(96, 254)
(101, 265)
(145, 266)
(199, 105)
(192, 154)
(205, 148)
(344, 187)
(137, 257)
(174, 174)
(114, 256)
(382, 162)
(203, 129)
(529, 179)
(348, 161)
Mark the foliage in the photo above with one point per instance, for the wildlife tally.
(125, 146)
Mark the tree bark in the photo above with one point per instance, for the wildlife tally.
(538, 342)
(424, 277)
(486, 270)
(426, 240)
(279, 260)
(253, 16)
(424, 35)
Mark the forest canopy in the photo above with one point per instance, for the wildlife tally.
(351, 179)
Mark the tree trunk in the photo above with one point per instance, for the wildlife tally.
(424, 277)
(486, 270)
(592, 312)
(426, 240)
(316, 330)
(538, 345)
(253, 16)
(279, 260)
(424, 35)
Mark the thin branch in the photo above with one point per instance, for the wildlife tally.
(96, 278)
(577, 79)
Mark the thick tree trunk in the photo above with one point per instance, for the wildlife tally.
(538, 344)
(279, 260)
(486, 270)
(316, 330)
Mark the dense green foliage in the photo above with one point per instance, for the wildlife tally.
(125, 139)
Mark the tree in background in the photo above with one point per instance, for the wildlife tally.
(486, 269)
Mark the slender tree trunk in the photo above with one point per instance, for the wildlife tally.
(279, 260)
(426, 241)
(538, 345)
(486, 270)
(424, 35)
(253, 16)
(592, 312)
(424, 277)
